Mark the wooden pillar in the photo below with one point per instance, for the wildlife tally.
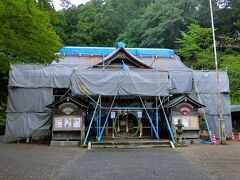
(112, 127)
(127, 123)
(106, 130)
(83, 130)
(141, 129)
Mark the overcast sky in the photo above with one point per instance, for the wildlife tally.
(75, 2)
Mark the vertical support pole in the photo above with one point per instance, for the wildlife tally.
(106, 130)
(113, 128)
(141, 129)
(222, 131)
(96, 127)
(157, 118)
(151, 132)
(83, 130)
(100, 116)
(127, 122)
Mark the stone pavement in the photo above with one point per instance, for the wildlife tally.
(219, 161)
(29, 161)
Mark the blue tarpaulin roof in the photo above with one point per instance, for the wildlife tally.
(108, 50)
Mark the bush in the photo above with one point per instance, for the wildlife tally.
(2, 117)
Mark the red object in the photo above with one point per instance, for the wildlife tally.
(238, 137)
(185, 108)
(233, 138)
(214, 142)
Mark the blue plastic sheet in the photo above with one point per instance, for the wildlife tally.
(109, 50)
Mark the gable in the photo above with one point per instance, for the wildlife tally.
(119, 57)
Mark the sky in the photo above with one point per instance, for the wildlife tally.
(75, 2)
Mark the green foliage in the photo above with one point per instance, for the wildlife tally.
(2, 113)
(98, 22)
(196, 50)
(196, 47)
(231, 62)
(160, 24)
(26, 33)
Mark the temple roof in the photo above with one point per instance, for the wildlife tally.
(186, 99)
(124, 57)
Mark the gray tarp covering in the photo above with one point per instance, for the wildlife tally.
(27, 124)
(211, 101)
(181, 81)
(207, 81)
(34, 76)
(29, 100)
(205, 88)
(213, 121)
(30, 90)
(108, 82)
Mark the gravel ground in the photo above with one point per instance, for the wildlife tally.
(29, 161)
(159, 163)
(220, 161)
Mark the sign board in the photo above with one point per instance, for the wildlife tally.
(67, 123)
(113, 115)
(58, 123)
(139, 114)
(77, 122)
(185, 121)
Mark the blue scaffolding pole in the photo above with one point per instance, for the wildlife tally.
(168, 125)
(150, 119)
(157, 118)
(90, 125)
(106, 120)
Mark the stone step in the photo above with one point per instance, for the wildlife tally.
(130, 144)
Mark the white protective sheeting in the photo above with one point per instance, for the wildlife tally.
(111, 83)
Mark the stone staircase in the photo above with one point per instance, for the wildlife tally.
(131, 143)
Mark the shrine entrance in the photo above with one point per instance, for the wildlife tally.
(127, 125)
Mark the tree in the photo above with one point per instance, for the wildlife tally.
(161, 23)
(231, 62)
(98, 22)
(196, 47)
(26, 35)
